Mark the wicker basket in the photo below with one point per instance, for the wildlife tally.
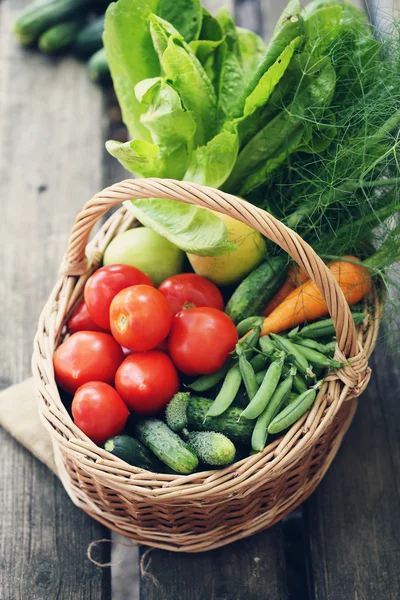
(201, 511)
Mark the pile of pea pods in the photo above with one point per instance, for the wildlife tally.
(281, 375)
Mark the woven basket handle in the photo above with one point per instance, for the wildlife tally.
(75, 262)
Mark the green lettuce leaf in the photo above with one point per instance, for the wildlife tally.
(211, 36)
(323, 26)
(252, 48)
(161, 31)
(145, 159)
(131, 56)
(284, 134)
(229, 71)
(169, 123)
(195, 230)
(191, 82)
(212, 164)
(186, 16)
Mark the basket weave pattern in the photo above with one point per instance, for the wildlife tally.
(203, 510)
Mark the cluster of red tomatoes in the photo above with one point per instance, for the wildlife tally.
(129, 341)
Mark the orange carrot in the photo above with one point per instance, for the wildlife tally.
(305, 303)
(296, 276)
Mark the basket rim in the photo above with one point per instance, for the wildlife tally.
(241, 477)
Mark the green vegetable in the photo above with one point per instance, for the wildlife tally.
(317, 358)
(144, 249)
(299, 383)
(227, 393)
(132, 451)
(265, 392)
(254, 293)
(192, 229)
(258, 362)
(206, 382)
(212, 448)
(90, 38)
(252, 48)
(248, 375)
(41, 15)
(260, 432)
(186, 15)
(247, 324)
(97, 67)
(59, 37)
(298, 357)
(228, 423)
(166, 445)
(260, 376)
(176, 412)
(293, 411)
(312, 344)
(267, 345)
(325, 328)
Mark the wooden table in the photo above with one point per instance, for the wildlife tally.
(343, 543)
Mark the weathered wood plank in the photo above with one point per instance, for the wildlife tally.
(253, 568)
(353, 517)
(51, 152)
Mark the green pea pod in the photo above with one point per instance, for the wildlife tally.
(260, 376)
(317, 358)
(293, 411)
(227, 393)
(206, 382)
(267, 345)
(248, 376)
(299, 383)
(260, 431)
(265, 391)
(250, 343)
(258, 363)
(310, 343)
(330, 347)
(326, 328)
(250, 323)
(299, 359)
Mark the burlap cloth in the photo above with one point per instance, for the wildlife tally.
(20, 417)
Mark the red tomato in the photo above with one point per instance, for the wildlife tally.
(86, 356)
(189, 290)
(147, 381)
(104, 284)
(80, 320)
(140, 318)
(201, 340)
(99, 411)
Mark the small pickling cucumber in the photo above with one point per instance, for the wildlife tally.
(98, 68)
(90, 38)
(253, 294)
(132, 451)
(43, 14)
(176, 412)
(189, 412)
(166, 445)
(212, 448)
(60, 36)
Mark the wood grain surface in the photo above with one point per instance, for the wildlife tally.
(51, 151)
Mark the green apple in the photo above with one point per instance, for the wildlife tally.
(146, 250)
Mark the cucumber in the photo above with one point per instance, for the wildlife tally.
(253, 294)
(98, 69)
(60, 36)
(132, 451)
(166, 445)
(90, 38)
(175, 413)
(43, 14)
(228, 423)
(212, 448)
